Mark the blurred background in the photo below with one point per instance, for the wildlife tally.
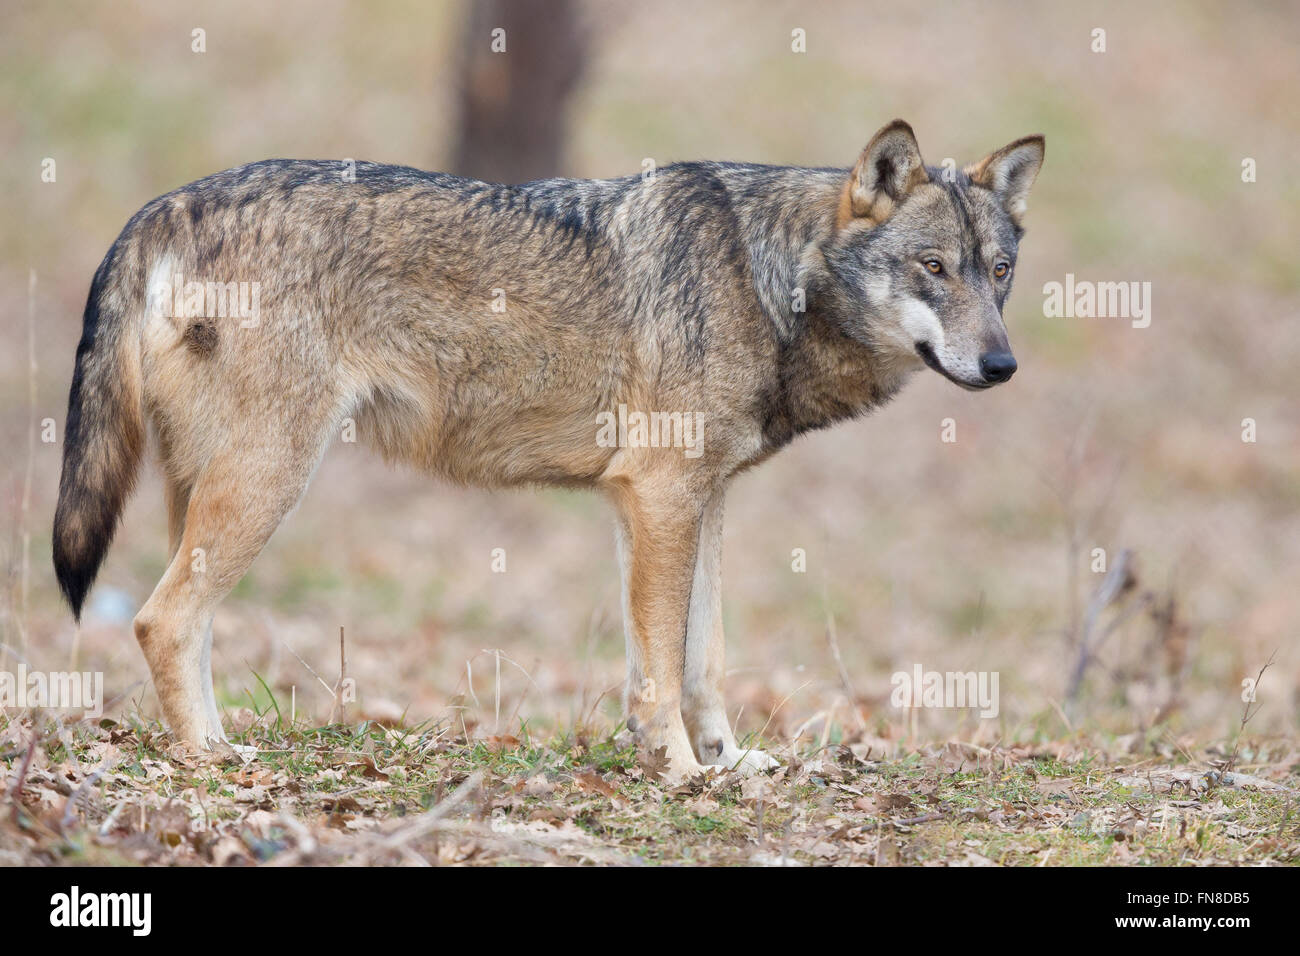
(976, 554)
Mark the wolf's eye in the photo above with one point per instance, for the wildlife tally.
(934, 265)
(1001, 269)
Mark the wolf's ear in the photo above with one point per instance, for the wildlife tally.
(888, 169)
(1010, 172)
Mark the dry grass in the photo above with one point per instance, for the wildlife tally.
(368, 795)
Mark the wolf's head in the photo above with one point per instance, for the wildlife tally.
(920, 259)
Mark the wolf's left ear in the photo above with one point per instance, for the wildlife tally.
(888, 169)
(1010, 172)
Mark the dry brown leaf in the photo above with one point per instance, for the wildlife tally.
(654, 763)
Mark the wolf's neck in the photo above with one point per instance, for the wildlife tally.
(793, 213)
(822, 375)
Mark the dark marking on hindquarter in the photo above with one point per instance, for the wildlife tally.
(201, 338)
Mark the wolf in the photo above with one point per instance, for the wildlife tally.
(482, 332)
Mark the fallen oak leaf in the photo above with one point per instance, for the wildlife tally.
(653, 763)
(702, 806)
(757, 789)
(594, 783)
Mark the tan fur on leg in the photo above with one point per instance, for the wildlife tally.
(227, 523)
(659, 526)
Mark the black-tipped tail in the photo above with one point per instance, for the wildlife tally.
(102, 443)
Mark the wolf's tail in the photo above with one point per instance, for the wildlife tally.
(104, 437)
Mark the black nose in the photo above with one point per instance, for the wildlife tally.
(997, 366)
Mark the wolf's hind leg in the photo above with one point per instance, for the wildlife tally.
(177, 497)
(703, 707)
(234, 507)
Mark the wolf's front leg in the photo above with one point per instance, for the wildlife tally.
(703, 708)
(657, 536)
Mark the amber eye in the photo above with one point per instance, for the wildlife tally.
(934, 265)
(1001, 269)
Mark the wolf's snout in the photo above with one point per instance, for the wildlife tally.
(997, 366)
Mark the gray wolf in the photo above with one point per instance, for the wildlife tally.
(490, 335)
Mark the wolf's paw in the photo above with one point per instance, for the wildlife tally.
(685, 772)
(666, 757)
(218, 750)
(746, 762)
(673, 772)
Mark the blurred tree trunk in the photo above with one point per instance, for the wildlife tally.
(513, 103)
